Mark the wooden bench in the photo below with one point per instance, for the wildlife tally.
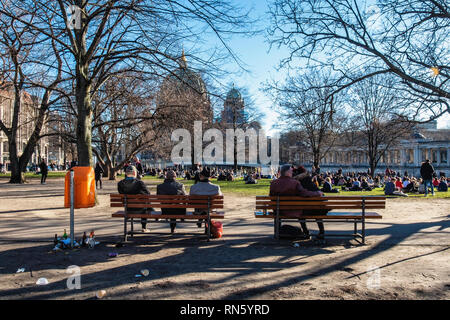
(269, 208)
(209, 204)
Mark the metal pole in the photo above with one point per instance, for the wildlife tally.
(72, 205)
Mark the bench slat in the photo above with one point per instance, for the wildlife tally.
(172, 206)
(321, 198)
(121, 214)
(380, 206)
(166, 201)
(166, 206)
(329, 215)
(158, 196)
(307, 203)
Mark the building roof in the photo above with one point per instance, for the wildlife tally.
(234, 94)
(185, 77)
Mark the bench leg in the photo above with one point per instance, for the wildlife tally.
(209, 229)
(125, 229)
(132, 227)
(276, 225)
(363, 230)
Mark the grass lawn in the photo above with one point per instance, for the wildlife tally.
(262, 188)
(32, 175)
(237, 187)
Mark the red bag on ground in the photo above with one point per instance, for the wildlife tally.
(216, 229)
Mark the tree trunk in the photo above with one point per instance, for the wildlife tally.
(372, 169)
(17, 175)
(110, 170)
(112, 173)
(235, 153)
(84, 123)
(316, 159)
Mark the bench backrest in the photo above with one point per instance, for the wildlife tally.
(329, 202)
(166, 201)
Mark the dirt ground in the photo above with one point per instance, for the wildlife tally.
(406, 255)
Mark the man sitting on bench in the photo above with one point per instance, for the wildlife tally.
(131, 185)
(204, 188)
(171, 187)
(288, 186)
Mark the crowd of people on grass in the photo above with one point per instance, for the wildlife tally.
(392, 182)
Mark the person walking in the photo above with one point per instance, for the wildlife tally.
(98, 175)
(44, 171)
(427, 172)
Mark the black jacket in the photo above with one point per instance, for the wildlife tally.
(133, 186)
(98, 172)
(426, 171)
(44, 168)
(327, 187)
(171, 187)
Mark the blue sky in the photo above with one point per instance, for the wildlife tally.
(261, 63)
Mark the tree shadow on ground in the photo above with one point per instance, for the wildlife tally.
(232, 258)
(197, 256)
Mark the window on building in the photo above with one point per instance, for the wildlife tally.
(444, 156)
(434, 156)
(424, 155)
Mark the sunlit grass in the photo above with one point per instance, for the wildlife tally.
(32, 175)
(238, 186)
(262, 188)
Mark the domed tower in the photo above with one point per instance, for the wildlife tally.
(183, 95)
(233, 108)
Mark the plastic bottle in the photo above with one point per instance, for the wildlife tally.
(83, 241)
(91, 239)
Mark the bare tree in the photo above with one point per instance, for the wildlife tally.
(100, 39)
(361, 39)
(124, 121)
(304, 106)
(24, 67)
(374, 104)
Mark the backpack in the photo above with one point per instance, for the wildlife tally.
(288, 231)
(216, 229)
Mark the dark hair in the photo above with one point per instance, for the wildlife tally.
(298, 170)
(284, 168)
(206, 172)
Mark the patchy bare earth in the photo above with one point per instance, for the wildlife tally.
(406, 255)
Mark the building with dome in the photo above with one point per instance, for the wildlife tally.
(233, 108)
(181, 100)
(183, 96)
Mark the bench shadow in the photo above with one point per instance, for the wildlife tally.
(197, 256)
(31, 210)
(235, 257)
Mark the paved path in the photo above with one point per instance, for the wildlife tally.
(408, 250)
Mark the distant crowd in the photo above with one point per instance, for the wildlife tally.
(393, 183)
